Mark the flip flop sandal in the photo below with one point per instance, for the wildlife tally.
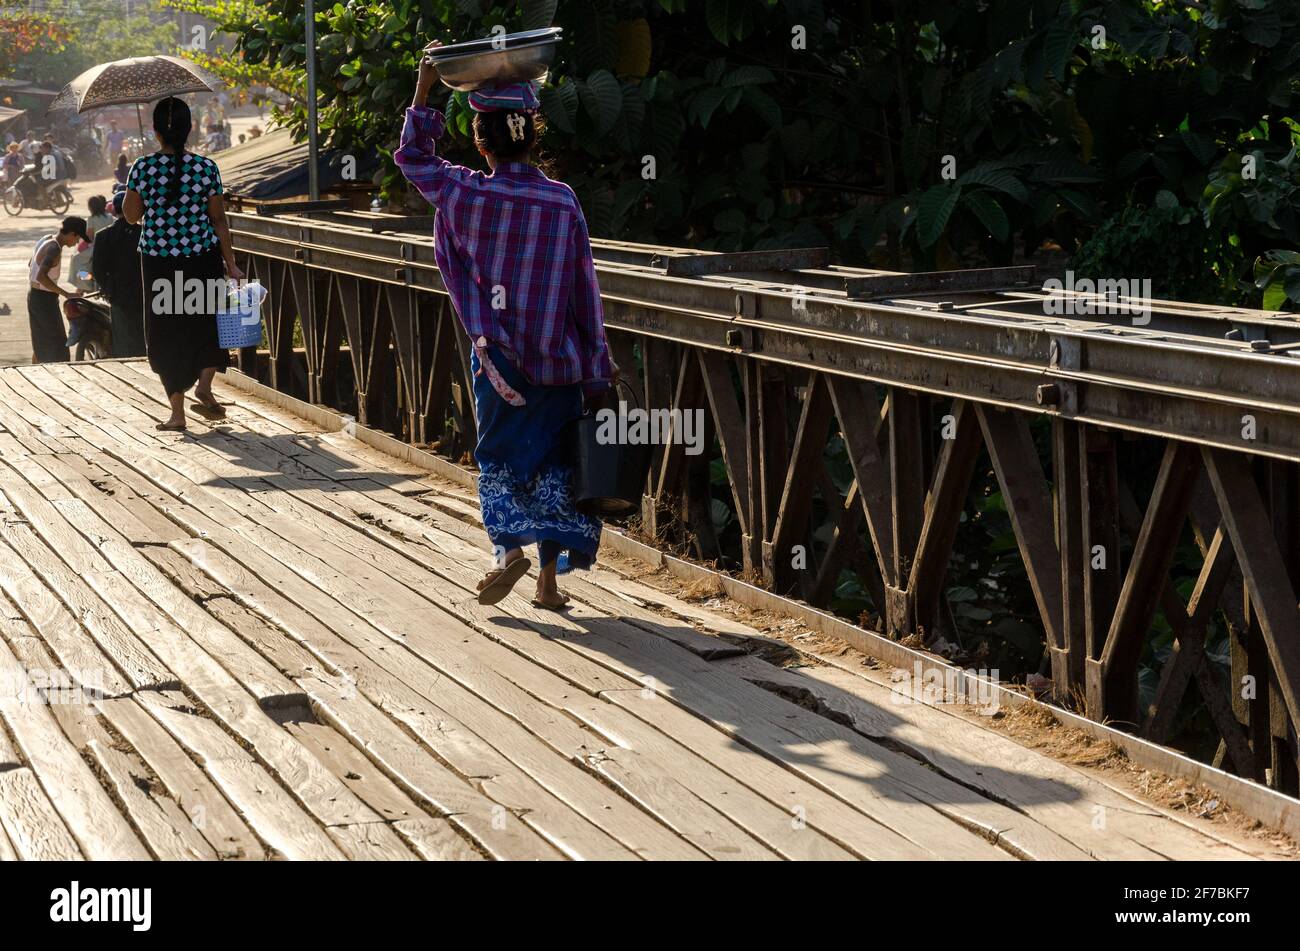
(501, 582)
(552, 606)
(209, 411)
(169, 428)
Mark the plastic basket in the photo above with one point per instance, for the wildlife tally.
(241, 324)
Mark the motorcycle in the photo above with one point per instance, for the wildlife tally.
(26, 192)
(90, 323)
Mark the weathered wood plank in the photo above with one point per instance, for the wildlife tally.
(202, 804)
(30, 822)
(269, 809)
(92, 817)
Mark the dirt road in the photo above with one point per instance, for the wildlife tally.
(18, 237)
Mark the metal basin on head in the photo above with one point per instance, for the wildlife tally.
(514, 58)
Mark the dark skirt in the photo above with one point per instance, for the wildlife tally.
(49, 336)
(181, 345)
(128, 329)
(525, 481)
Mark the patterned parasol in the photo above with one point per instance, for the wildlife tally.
(136, 80)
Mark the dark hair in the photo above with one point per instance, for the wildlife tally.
(492, 134)
(74, 225)
(121, 159)
(97, 204)
(171, 120)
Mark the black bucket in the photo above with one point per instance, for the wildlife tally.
(608, 477)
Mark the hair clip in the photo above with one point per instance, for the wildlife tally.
(516, 123)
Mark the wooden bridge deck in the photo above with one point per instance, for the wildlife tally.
(290, 663)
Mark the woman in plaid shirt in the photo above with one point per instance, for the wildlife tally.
(514, 254)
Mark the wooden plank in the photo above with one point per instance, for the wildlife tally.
(371, 842)
(121, 517)
(7, 851)
(200, 801)
(166, 831)
(91, 816)
(226, 696)
(436, 840)
(999, 768)
(115, 557)
(360, 775)
(499, 830)
(269, 810)
(415, 581)
(30, 822)
(891, 789)
(484, 677)
(84, 652)
(333, 455)
(585, 796)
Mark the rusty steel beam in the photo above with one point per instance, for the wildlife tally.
(1210, 391)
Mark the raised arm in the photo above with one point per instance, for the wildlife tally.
(588, 311)
(417, 155)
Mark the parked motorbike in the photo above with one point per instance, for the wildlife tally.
(26, 192)
(90, 327)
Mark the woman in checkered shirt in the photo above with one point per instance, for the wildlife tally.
(514, 254)
(185, 255)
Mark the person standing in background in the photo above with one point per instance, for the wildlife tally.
(13, 166)
(44, 317)
(113, 141)
(115, 264)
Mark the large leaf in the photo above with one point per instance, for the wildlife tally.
(763, 104)
(728, 19)
(537, 14)
(560, 106)
(595, 34)
(705, 102)
(990, 214)
(933, 211)
(999, 179)
(747, 76)
(602, 98)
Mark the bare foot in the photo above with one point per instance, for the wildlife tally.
(207, 405)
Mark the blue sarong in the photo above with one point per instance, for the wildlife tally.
(525, 481)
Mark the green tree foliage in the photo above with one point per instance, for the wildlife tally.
(95, 31)
(913, 133)
(23, 31)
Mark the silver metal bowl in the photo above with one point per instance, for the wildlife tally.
(483, 44)
(519, 62)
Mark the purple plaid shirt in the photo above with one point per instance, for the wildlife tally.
(515, 257)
